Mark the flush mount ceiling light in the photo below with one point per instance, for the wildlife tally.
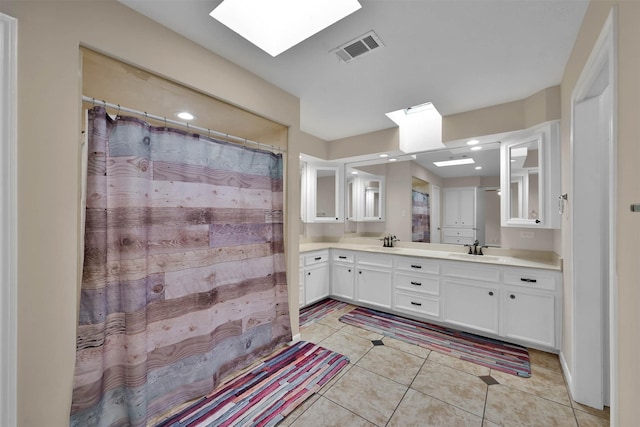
(478, 168)
(455, 162)
(277, 25)
(185, 115)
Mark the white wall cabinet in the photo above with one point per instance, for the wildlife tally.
(463, 215)
(365, 198)
(530, 178)
(322, 193)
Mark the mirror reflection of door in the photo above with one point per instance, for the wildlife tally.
(420, 211)
(524, 167)
(372, 199)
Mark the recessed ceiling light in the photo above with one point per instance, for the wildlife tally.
(354, 172)
(473, 142)
(392, 160)
(185, 115)
(455, 162)
(476, 148)
(383, 155)
(277, 25)
(478, 168)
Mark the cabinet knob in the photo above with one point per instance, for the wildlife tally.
(359, 272)
(309, 274)
(512, 296)
(491, 293)
(349, 270)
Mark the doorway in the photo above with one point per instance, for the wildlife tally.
(592, 227)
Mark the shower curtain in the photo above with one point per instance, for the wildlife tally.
(184, 273)
(420, 219)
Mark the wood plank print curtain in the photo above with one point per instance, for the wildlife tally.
(183, 279)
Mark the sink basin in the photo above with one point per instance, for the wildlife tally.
(383, 249)
(478, 258)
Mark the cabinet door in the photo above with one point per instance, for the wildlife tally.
(316, 283)
(342, 284)
(374, 287)
(301, 298)
(451, 208)
(529, 316)
(470, 305)
(467, 207)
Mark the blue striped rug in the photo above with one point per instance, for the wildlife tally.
(495, 354)
(267, 393)
(317, 311)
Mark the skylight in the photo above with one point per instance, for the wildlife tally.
(277, 25)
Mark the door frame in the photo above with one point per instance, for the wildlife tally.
(602, 55)
(8, 220)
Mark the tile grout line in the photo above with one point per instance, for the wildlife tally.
(408, 387)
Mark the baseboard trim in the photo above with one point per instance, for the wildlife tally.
(567, 373)
(295, 339)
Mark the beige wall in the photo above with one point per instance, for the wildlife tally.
(49, 90)
(628, 191)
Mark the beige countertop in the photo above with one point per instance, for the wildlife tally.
(497, 256)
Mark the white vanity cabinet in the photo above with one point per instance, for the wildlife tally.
(529, 306)
(373, 279)
(416, 286)
(316, 276)
(343, 273)
(471, 296)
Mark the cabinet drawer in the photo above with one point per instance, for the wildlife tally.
(418, 283)
(458, 240)
(467, 270)
(418, 265)
(316, 258)
(375, 260)
(417, 304)
(530, 279)
(458, 232)
(342, 256)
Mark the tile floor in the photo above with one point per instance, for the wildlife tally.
(391, 383)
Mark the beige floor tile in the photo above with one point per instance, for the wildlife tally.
(419, 410)
(325, 413)
(458, 388)
(588, 420)
(487, 423)
(511, 407)
(290, 418)
(349, 345)
(332, 321)
(460, 365)
(335, 379)
(391, 363)
(367, 394)
(316, 332)
(542, 359)
(602, 413)
(362, 333)
(543, 383)
(416, 350)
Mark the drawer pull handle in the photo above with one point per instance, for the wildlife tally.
(512, 296)
(416, 303)
(416, 283)
(491, 293)
(318, 258)
(342, 257)
(528, 280)
(415, 266)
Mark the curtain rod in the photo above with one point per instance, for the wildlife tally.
(177, 123)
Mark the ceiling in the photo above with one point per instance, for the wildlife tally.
(458, 54)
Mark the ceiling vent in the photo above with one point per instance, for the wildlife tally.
(358, 47)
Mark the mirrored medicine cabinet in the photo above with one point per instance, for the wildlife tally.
(365, 197)
(322, 192)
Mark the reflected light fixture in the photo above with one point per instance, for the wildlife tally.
(455, 162)
(478, 168)
(277, 25)
(383, 155)
(393, 159)
(473, 142)
(476, 148)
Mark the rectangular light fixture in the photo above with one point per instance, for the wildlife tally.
(456, 162)
(277, 25)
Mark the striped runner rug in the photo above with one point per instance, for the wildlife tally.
(494, 354)
(317, 311)
(264, 395)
